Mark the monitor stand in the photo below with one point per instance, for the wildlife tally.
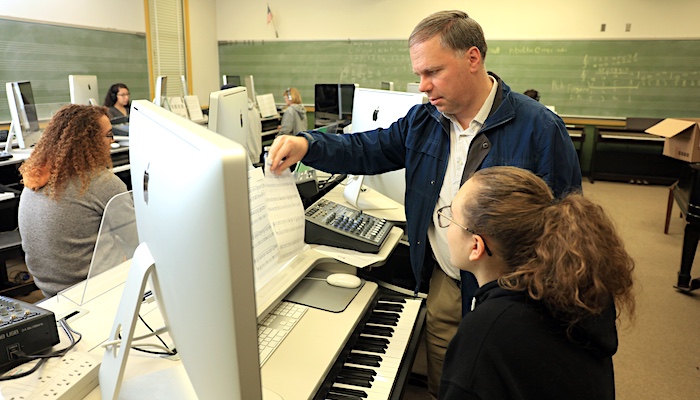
(364, 198)
(114, 360)
(10, 135)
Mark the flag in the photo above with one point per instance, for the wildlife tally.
(269, 14)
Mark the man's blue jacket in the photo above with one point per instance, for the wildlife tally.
(518, 132)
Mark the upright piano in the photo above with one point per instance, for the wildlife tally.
(687, 195)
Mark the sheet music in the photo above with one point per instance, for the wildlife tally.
(277, 222)
(266, 104)
(194, 108)
(286, 212)
(177, 106)
(265, 252)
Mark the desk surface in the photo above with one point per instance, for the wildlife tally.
(294, 371)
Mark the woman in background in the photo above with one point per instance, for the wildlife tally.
(294, 116)
(118, 101)
(67, 184)
(551, 275)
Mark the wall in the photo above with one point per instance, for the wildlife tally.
(125, 15)
(501, 19)
(204, 52)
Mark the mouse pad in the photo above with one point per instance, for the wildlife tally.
(317, 293)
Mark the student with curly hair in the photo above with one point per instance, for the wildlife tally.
(67, 184)
(553, 278)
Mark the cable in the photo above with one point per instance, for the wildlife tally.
(43, 357)
(166, 350)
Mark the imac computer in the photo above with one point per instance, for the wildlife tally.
(250, 85)
(233, 80)
(333, 102)
(83, 89)
(25, 122)
(379, 109)
(387, 85)
(203, 231)
(345, 100)
(326, 102)
(183, 81)
(161, 91)
(228, 116)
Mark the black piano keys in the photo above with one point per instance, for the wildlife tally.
(370, 363)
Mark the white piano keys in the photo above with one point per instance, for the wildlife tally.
(383, 381)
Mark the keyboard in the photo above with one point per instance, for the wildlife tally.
(275, 327)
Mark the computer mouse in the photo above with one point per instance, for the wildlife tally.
(115, 145)
(344, 280)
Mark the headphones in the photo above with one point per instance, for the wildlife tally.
(113, 93)
(289, 94)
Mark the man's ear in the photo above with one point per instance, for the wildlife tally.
(474, 56)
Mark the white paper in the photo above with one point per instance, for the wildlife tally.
(194, 108)
(265, 252)
(286, 212)
(266, 104)
(277, 222)
(177, 106)
(351, 257)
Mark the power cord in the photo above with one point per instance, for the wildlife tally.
(43, 357)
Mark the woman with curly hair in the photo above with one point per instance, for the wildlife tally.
(67, 184)
(553, 277)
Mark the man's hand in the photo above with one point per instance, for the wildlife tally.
(286, 151)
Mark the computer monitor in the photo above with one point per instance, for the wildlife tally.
(233, 80)
(347, 94)
(228, 116)
(161, 91)
(83, 89)
(387, 85)
(250, 85)
(185, 90)
(25, 122)
(326, 102)
(379, 109)
(334, 101)
(200, 230)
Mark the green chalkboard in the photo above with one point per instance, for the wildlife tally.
(46, 54)
(608, 78)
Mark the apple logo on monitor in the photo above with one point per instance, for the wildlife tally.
(146, 178)
(375, 114)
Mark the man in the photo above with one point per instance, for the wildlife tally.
(473, 121)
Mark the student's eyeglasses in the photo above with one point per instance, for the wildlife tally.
(110, 135)
(444, 217)
(124, 94)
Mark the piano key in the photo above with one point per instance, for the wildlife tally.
(353, 382)
(349, 392)
(389, 307)
(338, 396)
(390, 358)
(377, 352)
(378, 330)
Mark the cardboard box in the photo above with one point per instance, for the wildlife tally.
(682, 137)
